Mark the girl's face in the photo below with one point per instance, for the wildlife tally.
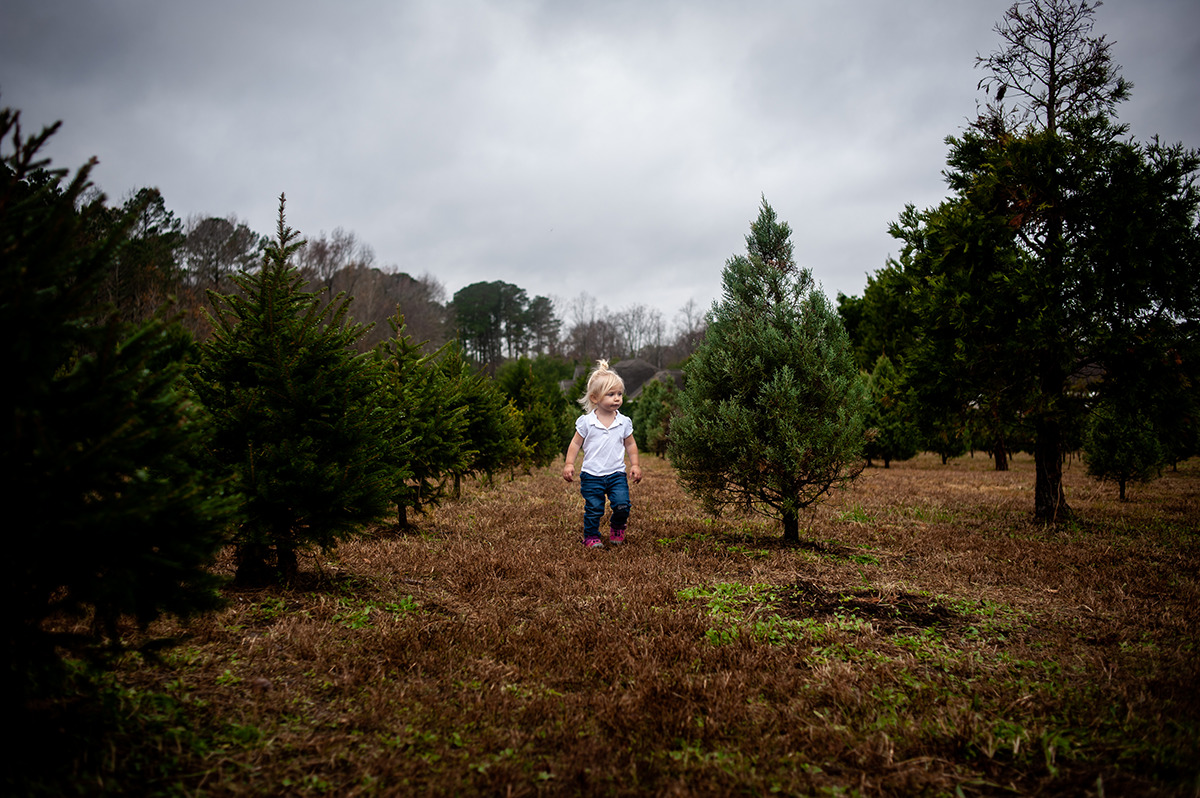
(611, 400)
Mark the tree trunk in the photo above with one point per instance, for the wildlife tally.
(252, 568)
(1121, 487)
(791, 527)
(1000, 453)
(1050, 502)
(285, 559)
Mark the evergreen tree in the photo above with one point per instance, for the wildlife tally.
(494, 429)
(946, 436)
(428, 423)
(295, 412)
(107, 511)
(651, 414)
(1064, 246)
(547, 421)
(894, 435)
(772, 411)
(1122, 445)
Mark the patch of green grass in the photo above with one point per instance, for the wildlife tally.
(856, 514)
(358, 613)
(746, 551)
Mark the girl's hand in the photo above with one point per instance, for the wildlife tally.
(568, 472)
(635, 472)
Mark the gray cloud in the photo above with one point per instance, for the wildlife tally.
(618, 149)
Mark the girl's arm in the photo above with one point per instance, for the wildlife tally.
(572, 451)
(635, 470)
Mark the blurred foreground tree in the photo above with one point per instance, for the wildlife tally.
(295, 415)
(108, 511)
(772, 412)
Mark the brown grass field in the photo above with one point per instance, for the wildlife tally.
(927, 638)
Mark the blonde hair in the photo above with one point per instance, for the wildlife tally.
(602, 380)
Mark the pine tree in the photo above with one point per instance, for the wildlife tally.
(429, 424)
(651, 414)
(1121, 444)
(295, 412)
(493, 422)
(894, 433)
(771, 414)
(107, 511)
(546, 419)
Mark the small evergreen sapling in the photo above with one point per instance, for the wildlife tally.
(494, 430)
(771, 414)
(428, 424)
(296, 415)
(894, 434)
(547, 420)
(1121, 444)
(652, 412)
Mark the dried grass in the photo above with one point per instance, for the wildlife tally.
(927, 637)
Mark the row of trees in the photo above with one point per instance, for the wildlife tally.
(498, 321)
(319, 439)
(136, 451)
(1050, 302)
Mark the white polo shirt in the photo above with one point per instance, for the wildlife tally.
(603, 447)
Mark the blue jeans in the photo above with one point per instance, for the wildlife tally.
(595, 489)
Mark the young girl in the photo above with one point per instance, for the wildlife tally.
(605, 436)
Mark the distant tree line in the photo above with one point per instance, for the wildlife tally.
(166, 259)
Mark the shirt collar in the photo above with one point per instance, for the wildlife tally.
(595, 422)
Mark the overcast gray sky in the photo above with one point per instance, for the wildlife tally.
(617, 149)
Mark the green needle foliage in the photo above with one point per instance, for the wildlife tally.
(295, 415)
(429, 424)
(108, 513)
(547, 418)
(894, 433)
(652, 413)
(494, 427)
(772, 411)
(1121, 444)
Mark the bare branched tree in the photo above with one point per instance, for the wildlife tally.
(1050, 66)
(324, 256)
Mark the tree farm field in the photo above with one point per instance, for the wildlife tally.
(926, 637)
